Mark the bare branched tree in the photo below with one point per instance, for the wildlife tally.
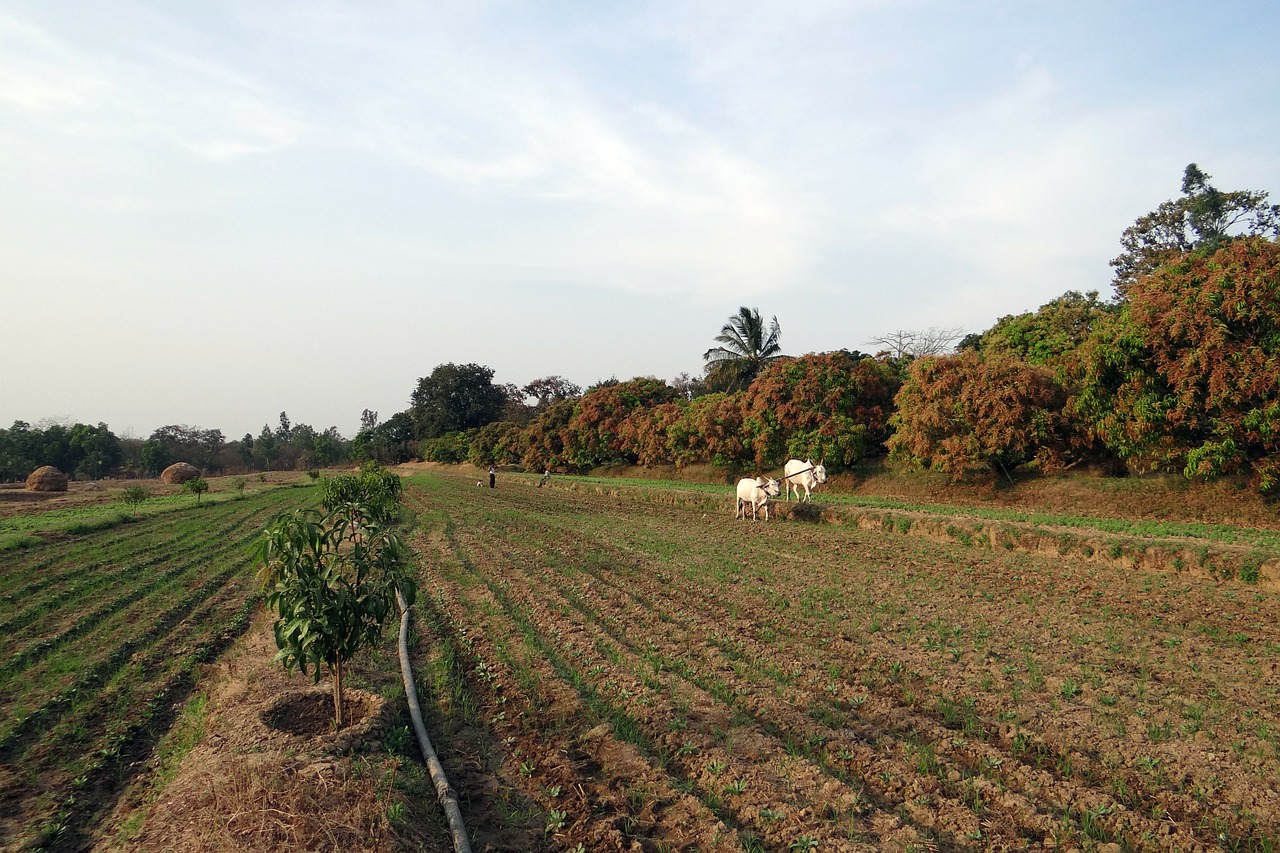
(917, 343)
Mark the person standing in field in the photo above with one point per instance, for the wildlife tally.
(493, 475)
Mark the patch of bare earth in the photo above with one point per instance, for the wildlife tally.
(271, 771)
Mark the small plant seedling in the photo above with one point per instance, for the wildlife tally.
(134, 495)
(197, 486)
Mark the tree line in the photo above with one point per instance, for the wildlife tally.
(92, 452)
(1179, 372)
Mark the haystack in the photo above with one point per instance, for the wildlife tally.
(179, 472)
(46, 478)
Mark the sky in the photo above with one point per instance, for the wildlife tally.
(214, 211)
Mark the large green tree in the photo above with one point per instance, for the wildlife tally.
(1204, 217)
(1047, 336)
(455, 397)
(747, 345)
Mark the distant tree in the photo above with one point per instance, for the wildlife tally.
(246, 450)
(368, 420)
(501, 442)
(596, 431)
(53, 444)
(284, 432)
(514, 410)
(18, 451)
(96, 450)
(328, 448)
(709, 429)
(550, 389)
(197, 486)
(1204, 217)
(449, 449)
(829, 406)
(546, 438)
(388, 443)
(746, 347)
(974, 412)
(1049, 335)
(155, 457)
(906, 344)
(181, 443)
(688, 387)
(265, 448)
(455, 397)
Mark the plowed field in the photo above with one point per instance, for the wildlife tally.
(637, 674)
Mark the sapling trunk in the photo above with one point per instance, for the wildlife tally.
(337, 693)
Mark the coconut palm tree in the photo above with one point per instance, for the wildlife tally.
(745, 348)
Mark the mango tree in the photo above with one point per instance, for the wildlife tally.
(197, 486)
(331, 579)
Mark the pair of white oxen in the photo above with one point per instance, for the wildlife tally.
(756, 491)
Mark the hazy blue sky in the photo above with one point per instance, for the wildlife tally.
(212, 211)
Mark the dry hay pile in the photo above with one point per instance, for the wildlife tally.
(46, 478)
(179, 472)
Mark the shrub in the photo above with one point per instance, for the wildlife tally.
(134, 495)
(331, 580)
(197, 486)
(375, 489)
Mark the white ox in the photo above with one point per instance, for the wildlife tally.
(756, 492)
(804, 474)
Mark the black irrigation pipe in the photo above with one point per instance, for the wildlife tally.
(444, 793)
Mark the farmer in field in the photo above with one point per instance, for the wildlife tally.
(493, 475)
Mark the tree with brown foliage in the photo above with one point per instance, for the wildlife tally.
(974, 412)
(832, 406)
(1188, 376)
(597, 431)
